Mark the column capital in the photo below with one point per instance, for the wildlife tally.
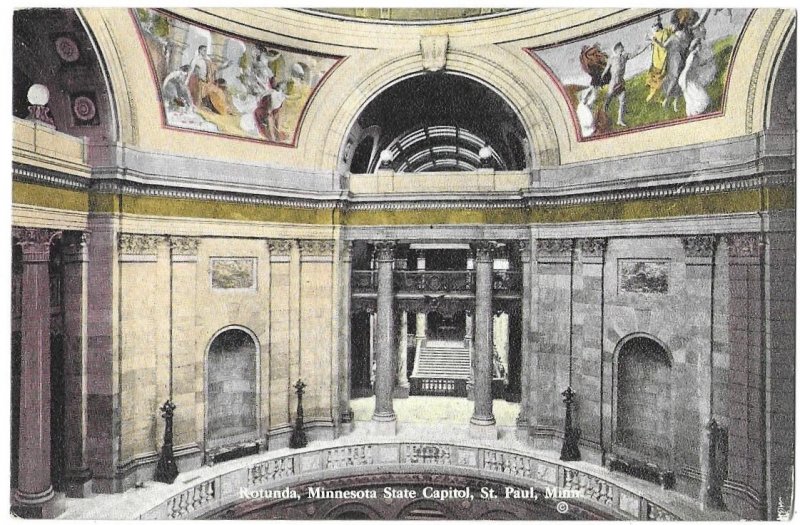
(591, 247)
(484, 251)
(280, 247)
(699, 245)
(135, 244)
(346, 253)
(524, 248)
(384, 251)
(316, 247)
(553, 248)
(743, 245)
(184, 245)
(35, 242)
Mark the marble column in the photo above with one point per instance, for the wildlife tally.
(76, 297)
(525, 259)
(384, 418)
(34, 497)
(402, 357)
(345, 360)
(422, 319)
(482, 423)
(468, 330)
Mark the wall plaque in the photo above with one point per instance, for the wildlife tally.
(233, 273)
(643, 275)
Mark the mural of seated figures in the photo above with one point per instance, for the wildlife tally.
(644, 401)
(658, 70)
(215, 83)
(232, 391)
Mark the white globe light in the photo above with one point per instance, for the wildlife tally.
(386, 156)
(38, 95)
(485, 153)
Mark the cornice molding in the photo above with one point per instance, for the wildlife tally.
(529, 199)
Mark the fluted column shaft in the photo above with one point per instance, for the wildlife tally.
(384, 334)
(482, 386)
(34, 488)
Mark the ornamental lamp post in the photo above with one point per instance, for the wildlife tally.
(569, 450)
(167, 469)
(298, 438)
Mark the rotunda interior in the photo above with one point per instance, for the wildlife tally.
(403, 263)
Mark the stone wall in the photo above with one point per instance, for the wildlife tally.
(699, 297)
(176, 295)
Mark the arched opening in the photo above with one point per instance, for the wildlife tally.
(232, 400)
(644, 401)
(53, 49)
(427, 129)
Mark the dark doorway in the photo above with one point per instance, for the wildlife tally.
(360, 384)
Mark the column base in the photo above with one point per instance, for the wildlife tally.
(44, 505)
(79, 483)
(401, 391)
(383, 425)
(483, 428)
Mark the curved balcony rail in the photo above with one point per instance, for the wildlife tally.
(594, 488)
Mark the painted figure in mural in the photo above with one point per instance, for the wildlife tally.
(698, 72)
(616, 67)
(175, 93)
(204, 83)
(267, 113)
(585, 111)
(658, 59)
(675, 47)
(593, 61)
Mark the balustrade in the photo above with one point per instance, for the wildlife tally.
(592, 490)
(423, 281)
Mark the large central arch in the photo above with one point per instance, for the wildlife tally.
(523, 95)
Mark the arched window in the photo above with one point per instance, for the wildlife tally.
(644, 400)
(232, 399)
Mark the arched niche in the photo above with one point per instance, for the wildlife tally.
(232, 387)
(643, 408)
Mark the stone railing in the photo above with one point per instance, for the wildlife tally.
(431, 282)
(386, 181)
(515, 468)
(34, 138)
(434, 281)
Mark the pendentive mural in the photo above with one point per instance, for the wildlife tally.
(658, 70)
(213, 82)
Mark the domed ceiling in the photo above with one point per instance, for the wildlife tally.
(405, 14)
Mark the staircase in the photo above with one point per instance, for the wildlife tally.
(441, 368)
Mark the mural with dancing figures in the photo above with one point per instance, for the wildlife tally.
(665, 68)
(213, 82)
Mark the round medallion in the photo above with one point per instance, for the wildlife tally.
(84, 108)
(67, 49)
